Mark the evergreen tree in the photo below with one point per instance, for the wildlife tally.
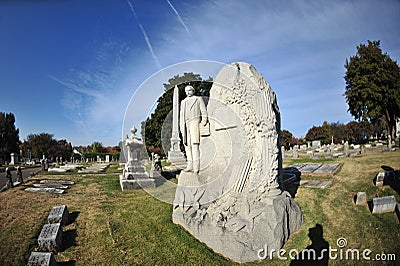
(373, 85)
(9, 136)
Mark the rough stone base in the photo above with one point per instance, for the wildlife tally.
(280, 217)
(136, 183)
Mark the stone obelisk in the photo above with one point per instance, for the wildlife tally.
(175, 155)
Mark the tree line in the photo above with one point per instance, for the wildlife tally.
(372, 93)
(37, 145)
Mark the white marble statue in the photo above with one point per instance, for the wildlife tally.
(193, 113)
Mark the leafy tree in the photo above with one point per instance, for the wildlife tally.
(287, 138)
(322, 133)
(373, 85)
(358, 131)
(9, 136)
(96, 147)
(44, 144)
(160, 120)
(337, 130)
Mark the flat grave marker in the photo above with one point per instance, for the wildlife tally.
(45, 190)
(59, 214)
(50, 237)
(41, 259)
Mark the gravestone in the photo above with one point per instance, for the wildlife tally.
(380, 179)
(361, 198)
(41, 259)
(134, 175)
(316, 144)
(383, 204)
(235, 204)
(295, 152)
(45, 190)
(14, 158)
(50, 237)
(59, 214)
(56, 181)
(50, 185)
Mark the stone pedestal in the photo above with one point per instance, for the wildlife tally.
(59, 214)
(136, 177)
(50, 237)
(41, 259)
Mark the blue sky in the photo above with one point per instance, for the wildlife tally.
(70, 68)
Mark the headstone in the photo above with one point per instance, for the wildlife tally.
(175, 155)
(107, 158)
(59, 214)
(41, 259)
(134, 175)
(346, 148)
(361, 198)
(380, 178)
(14, 158)
(324, 184)
(283, 151)
(56, 181)
(327, 169)
(57, 170)
(235, 204)
(316, 144)
(383, 204)
(295, 152)
(50, 237)
(51, 185)
(45, 190)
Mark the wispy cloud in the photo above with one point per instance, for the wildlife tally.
(73, 86)
(146, 38)
(179, 17)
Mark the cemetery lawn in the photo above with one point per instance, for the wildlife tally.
(111, 227)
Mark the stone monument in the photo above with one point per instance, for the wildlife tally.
(134, 175)
(14, 158)
(235, 203)
(175, 155)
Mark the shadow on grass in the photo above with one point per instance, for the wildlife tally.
(72, 217)
(370, 206)
(69, 239)
(160, 179)
(291, 180)
(317, 253)
(392, 178)
(67, 263)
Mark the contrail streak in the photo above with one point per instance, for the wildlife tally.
(179, 17)
(133, 10)
(146, 38)
(149, 46)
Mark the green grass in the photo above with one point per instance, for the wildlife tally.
(115, 227)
